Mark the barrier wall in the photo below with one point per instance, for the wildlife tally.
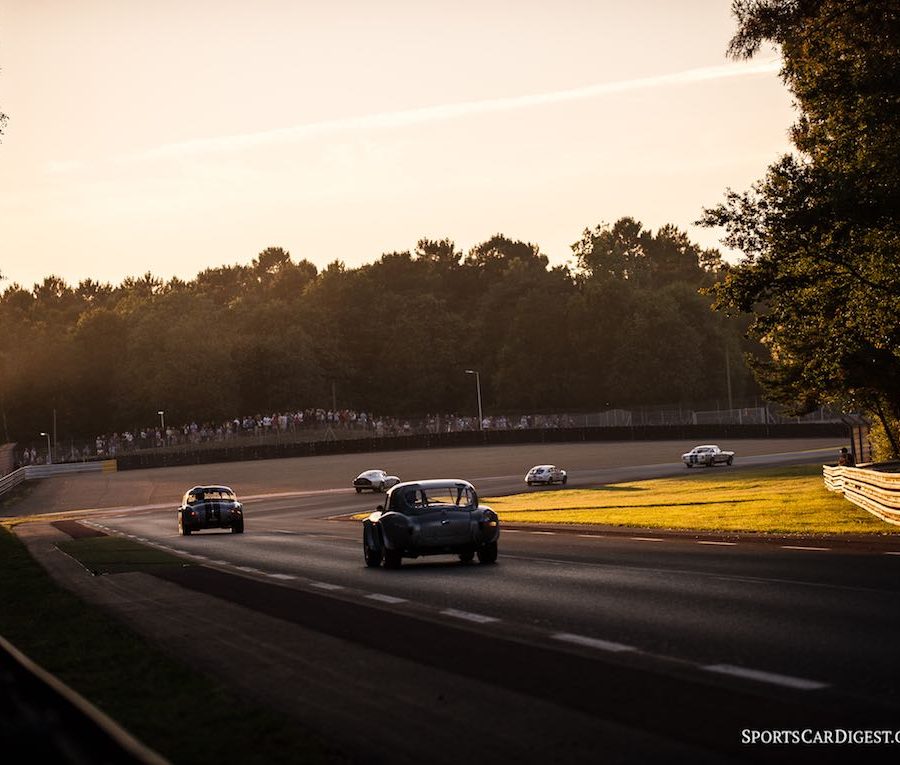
(9, 482)
(875, 488)
(693, 434)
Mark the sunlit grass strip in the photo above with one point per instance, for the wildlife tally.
(774, 500)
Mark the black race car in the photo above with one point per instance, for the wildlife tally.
(210, 507)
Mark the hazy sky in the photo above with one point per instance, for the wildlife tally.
(172, 136)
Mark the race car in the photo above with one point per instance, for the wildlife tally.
(708, 455)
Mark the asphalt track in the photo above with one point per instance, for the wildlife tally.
(593, 645)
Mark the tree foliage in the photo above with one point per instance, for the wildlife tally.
(394, 336)
(820, 236)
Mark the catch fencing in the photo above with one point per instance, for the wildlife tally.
(875, 488)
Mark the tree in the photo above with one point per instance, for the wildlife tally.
(819, 234)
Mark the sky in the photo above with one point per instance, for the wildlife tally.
(171, 137)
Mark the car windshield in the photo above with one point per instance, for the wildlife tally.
(211, 494)
(421, 500)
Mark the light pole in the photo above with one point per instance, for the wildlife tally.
(162, 420)
(49, 455)
(478, 390)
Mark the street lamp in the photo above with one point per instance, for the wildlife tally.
(478, 390)
(162, 420)
(49, 455)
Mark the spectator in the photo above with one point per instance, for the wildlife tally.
(845, 458)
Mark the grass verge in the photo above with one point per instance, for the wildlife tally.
(183, 714)
(791, 500)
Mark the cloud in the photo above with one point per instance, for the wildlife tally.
(409, 117)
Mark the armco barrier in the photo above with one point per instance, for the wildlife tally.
(55, 724)
(875, 488)
(694, 434)
(9, 482)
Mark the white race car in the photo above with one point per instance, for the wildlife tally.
(708, 455)
(375, 481)
(546, 474)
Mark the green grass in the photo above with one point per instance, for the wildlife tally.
(147, 691)
(774, 500)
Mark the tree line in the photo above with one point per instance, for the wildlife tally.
(628, 324)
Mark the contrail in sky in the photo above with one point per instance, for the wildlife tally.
(453, 111)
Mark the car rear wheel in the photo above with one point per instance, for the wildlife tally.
(182, 528)
(392, 558)
(467, 556)
(238, 527)
(373, 551)
(730, 460)
(358, 490)
(488, 553)
(565, 480)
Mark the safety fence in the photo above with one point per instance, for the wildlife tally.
(9, 482)
(875, 488)
(52, 720)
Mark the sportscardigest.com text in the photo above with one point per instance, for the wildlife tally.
(826, 736)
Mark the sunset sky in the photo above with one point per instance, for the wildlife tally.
(173, 136)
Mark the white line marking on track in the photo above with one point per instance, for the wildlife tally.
(547, 533)
(281, 576)
(592, 536)
(801, 547)
(774, 678)
(327, 586)
(647, 539)
(729, 544)
(602, 645)
(248, 569)
(385, 598)
(893, 552)
(468, 616)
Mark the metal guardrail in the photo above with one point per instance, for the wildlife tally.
(9, 482)
(53, 722)
(875, 488)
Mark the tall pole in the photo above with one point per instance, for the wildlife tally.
(49, 455)
(728, 376)
(162, 420)
(478, 391)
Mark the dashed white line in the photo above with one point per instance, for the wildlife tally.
(248, 569)
(468, 616)
(281, 576)
(893, 552)
(602, 645)
(326, 586)
(728, 544)
(592, 536)
(385, 598)
(801, 547)
(547, 533)
(773, 678)
(647, 539)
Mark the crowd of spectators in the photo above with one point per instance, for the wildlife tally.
(314, 423)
